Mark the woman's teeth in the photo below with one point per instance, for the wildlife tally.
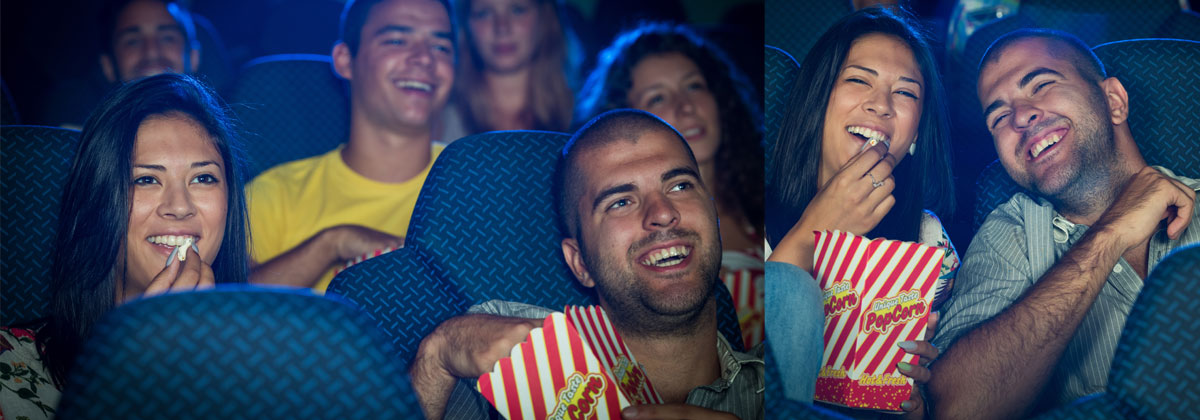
(412, 84)
(1042, 145)
(171, 240)
(871, 135)
(667, 257)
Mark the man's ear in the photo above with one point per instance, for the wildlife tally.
(570, 249)
(343, 61)
(1116, 99)
(195, 60)
(106, 65)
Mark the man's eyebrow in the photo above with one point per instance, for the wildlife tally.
(992, 108)
(444, 35)
(680, 171)
(393, 28)
(171, 27)
(623, 188)
(1035, 73)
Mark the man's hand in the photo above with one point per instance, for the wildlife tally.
(1148, 198)
(673, 411)
(352, 241)
(467, 346)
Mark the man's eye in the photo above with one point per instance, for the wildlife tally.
(686, 185)
(144, 180)
(998, 120)
(205, 179)
(697, 86)
(619, 203)
(1042, 85)
(395, 41)
(445, 49)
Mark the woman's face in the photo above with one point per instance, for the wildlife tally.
(671, 86)
(878, 94)
(178, 191)
(504, 33)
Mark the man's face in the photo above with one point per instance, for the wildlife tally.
(402, 74)
(146, 41)
(648, 236)
(1049, 124)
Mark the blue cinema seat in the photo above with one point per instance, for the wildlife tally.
(237, 352)
(34, 162)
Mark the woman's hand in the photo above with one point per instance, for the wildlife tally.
(914, 408)
(191, 274)
(854, 200)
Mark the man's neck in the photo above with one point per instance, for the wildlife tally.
(384, 155)
(676, 364)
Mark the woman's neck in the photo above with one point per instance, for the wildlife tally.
(508, 98)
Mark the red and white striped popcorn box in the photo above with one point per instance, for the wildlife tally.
(553, 375)
(877, 293)
(743, 276)
(362, 258)
(593, 324)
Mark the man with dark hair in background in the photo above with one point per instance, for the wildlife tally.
(640, 228)
(1046, 286)
(311, 215)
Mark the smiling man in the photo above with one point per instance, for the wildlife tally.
(641, 229)
(312, 215)
(1048, 281)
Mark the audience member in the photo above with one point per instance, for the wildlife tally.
(1050, 278)
(671, 72)
(513, 68)
(155, 172)
(868, 94)
(628, 188)
(314, 214)
(139, 38)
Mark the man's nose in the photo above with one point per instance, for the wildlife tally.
(660, 213)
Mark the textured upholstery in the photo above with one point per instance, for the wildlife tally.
(1157, 366)
(216, 69)
(794, 26)
(1159, 76)
(399, 292)
(780, 75)
(34, 162)
(290, 107)
(8, 109)
(237, 352)
(1158, 363)
(483, 228)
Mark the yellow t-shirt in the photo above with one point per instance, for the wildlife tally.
(292, 202)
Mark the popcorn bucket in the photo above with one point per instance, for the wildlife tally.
(876, 293)
(575, 366)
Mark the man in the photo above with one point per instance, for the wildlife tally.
(312, 215)
(139, 38)
(1048, 281)
(640, 227)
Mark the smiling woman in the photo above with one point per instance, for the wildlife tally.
(154, 173)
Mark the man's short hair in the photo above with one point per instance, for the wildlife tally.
(113, 9)
(606, 128)
(1075, 51)
(355, 15)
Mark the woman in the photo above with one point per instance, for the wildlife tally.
(863, 149)
(687, 81)
(512, 73)
(153, 204)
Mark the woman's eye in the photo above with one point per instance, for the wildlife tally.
(697, 86)
(144, 180)
(857, 80)
(205, 179)
(519, 9)
(908, 94)
(655, 100)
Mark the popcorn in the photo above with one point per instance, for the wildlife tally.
(574, 366)
(877, 293)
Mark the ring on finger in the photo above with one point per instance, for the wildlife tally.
(874, 183)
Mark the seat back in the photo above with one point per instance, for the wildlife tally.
(289, 106)
(1159, 76)
(794, 26)
(237, 352)
(34, 163)
(780, 75)
(1159, 352)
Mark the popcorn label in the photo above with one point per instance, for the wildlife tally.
(877, 293)
(575, 366)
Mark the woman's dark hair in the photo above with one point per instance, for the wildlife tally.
(923, 181)
(94, 218)
(739, 158)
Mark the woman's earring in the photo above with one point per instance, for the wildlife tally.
(912, 149)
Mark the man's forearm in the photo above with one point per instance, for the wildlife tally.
(999, 369)
(432, 383)
(301, 266)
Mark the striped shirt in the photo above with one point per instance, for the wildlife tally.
(739, 390)
(1017, 244)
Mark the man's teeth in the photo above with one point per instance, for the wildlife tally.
(666, 257)
(871, 135)
(1042, 145)
(171, 240)
(412, 84)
